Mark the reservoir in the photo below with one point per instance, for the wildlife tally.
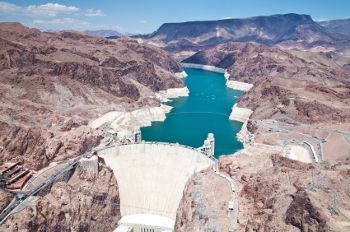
(205, 110)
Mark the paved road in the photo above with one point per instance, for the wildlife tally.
(234, 189)
(316, 140)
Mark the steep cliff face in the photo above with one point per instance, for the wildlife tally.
(204, 204)
(280, 193)
(308, 87)
(86, 202)
(275, 194)
(53, 84)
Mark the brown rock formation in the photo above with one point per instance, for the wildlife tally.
(198, 211)
(53, 84)
(5, 199)
(86, 202)
(275, 194)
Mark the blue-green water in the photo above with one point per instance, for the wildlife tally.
(205, 110)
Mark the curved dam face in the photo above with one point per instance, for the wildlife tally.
(151, 176)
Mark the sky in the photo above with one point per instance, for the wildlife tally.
(147, 15)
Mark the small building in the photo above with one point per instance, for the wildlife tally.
(137, 135)
(208, 147)
(89, 164)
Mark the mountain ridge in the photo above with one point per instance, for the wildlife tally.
(285, 30)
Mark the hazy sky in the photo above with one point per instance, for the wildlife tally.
(146, 16)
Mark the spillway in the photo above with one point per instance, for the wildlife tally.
(151, 176)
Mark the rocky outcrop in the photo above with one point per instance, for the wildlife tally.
(53, 84)
(86, 202)
(35, 148)
(275, 194)
(302, 214)
(198, 211)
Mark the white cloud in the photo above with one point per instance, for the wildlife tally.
(48, 9)
(93, 12)
(227, 18)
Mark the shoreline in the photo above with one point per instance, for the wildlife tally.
(131, 120)
(204, 67)
(240, 114)
(167, 95)
(182, 74)
(124, 122)
(237, 85)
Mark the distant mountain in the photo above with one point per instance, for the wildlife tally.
(104, 33)
(340, 26)
(285, 29)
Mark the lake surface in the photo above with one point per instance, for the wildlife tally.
(205, 110)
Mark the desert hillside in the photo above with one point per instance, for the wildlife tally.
(53, 84)
(275, 194)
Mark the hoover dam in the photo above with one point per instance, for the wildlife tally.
(151, 178)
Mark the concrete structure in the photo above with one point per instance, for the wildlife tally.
(151, 178)
(124, 229)
(89, 164)
(298, 152)
(137, 135)
(314, 155)
(208, 147)
(146, 223)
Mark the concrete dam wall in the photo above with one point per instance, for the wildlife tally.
(151, 176)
